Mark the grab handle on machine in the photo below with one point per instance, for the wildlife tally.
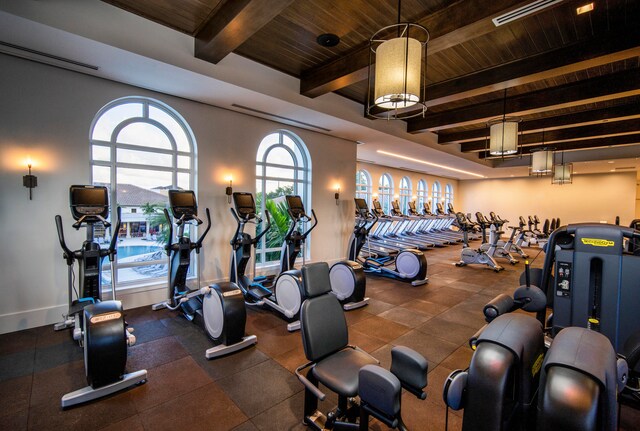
(527, 273)
(68, 254)
(257, 239)
(315, 223)
(199, 241)
(114, 234)
(313, 388)
(167, 247)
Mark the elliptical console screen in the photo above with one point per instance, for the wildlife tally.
(183, 203)
(89, 201)
(295, 205)
(244, 203)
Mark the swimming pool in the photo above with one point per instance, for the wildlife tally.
(135, 250)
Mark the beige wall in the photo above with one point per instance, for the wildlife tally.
(376, 172)
(638, 196)
(46, 114)
(591, 198)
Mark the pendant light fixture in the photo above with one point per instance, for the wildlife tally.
(541, 160)
(503, 133)
(397, 69)
(562, 172)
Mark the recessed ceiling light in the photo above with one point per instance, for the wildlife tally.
(610, 161)
(328, 40)
(412, 159)
(612, 170)
(584, 8)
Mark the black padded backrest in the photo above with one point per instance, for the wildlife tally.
(322, 323)
(315, 279)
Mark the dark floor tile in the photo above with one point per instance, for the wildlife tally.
(47, 336)
(205, 408)
(111, 409)
(18, 341)
(431, 347)
(459, 359)
(377, 307)
(405, 316)
(461, 316)
(149, 330)
(381, 328)
(154, 353)
(293, 358)
(455, 333)
(181, 376)
(15, 420)
(57, 354)
(225, 366)
(366, 342)
(427, 308)
(17, 364)
(629, 419)
(50, 385)
(357, 315)
(132, 423)
(435, 383)
(278, 340)
(259, 320)
(286, 415)
(15, 395)
(261, 387)
(245, 426)
(426, 416)
(137, 316)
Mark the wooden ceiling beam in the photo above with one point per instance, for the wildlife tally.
(457, 23)
(593, 52)
(587, 144)
(557, 136)
(595, 115)
(607, 87)
(234, 23)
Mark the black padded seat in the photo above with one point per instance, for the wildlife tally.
(339, 372)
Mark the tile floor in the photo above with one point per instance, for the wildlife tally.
(254, 389)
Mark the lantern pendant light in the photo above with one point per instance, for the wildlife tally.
(398, 55)
(503, 133)
(541, 160)
(563, 172)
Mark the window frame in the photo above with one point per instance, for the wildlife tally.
(436, 191)
(405, 193)
(448, 196)
(364, 190)
(301, 183)
(385, 192)
(422, 194)
(113, 165)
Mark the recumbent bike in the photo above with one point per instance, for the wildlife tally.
(98, 325)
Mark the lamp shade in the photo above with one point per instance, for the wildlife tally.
(398, 73)
(563, 173)
(542, 161)
(503, 136)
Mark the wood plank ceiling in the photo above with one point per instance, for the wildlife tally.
(577, 77)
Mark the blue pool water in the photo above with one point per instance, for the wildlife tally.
(134, 250)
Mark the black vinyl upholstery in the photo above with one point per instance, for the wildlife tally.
(339, 372)
(315, 279)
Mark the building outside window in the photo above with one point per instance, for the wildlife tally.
(140, 149)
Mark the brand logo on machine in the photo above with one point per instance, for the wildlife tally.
(535, 369)
(232, 292)
(105, 317)
(597, 242)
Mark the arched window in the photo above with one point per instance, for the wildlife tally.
(448, 196)
(421, 194)
(385, 192)
(405, 194)
(140, 148)
(435, 195)
(283, 168)
(363, 186)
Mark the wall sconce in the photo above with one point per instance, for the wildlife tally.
(337, 194)
(229, 190)
(414, 198)
(30, 181)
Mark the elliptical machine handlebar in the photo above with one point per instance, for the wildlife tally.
(114, 234)
(302, 218)
(67, 254)
(258, 237)
(198, 243)
(167, 247)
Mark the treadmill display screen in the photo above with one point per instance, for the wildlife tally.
(245, 205)
(295, 203)
(183, 203)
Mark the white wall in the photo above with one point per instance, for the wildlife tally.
(46, 114)
(591, 198)
(376, 172)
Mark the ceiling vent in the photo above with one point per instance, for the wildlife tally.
(42, 57)
(280, 118)
(626, 168)
(523, 11)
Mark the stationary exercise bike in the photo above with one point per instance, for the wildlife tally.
(282, 293)
(218, 308)
(470, 256)
(494, 247)
(98, 325)
(410, 264)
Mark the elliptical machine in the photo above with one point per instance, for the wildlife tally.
(282, 293)
(470, 256)
(410, 264)
(218, 308)
(494, 247)
(98, 325)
